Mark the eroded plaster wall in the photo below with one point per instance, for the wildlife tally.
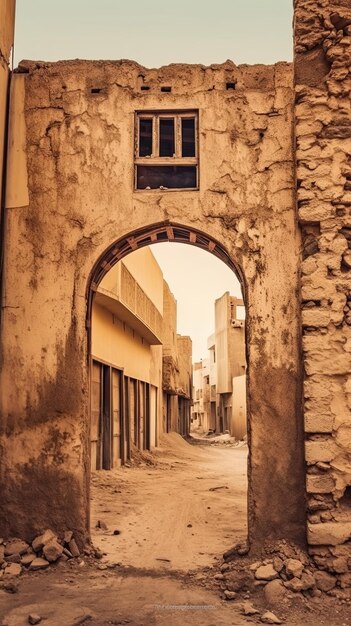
(75, 149)
(185, 351)
(323, 149)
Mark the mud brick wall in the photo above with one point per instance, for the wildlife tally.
(323, 155)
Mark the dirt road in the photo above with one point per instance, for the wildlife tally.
(174, 516)
(180, 513)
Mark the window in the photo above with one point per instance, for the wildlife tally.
(166, 154)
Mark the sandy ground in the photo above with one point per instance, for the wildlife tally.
(181, 513)
(175, 516)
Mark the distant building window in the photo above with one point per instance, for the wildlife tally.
(166, 152)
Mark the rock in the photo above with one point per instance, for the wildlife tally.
(307, 580)
(197, 577)
(225, 567)
(27, 559)
(324, 581)
(40, 541)
(73, 548)
(243, 550)
(68, 535)
(2, 554)
(14, 558)
(13, 569)
(16, 546)
(34, 618)
(275, 593)
(294, 568)
(229, 595)
(278, 564)
(294, 584)
(102, 566)
(254, 566)
(269, 618)
(52, 550)
(319, 484)
(98, 553)
(218, 577)
(328, 533)
(237, 580)
(345, 580)
(266, 572)
(39, 563)
(10, 586)
(67, 553)
(340, 565)
(101, 524)
(248, 609)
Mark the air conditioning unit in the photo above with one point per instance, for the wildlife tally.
(237, 323)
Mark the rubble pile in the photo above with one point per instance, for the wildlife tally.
(284, 571)
(17, 556)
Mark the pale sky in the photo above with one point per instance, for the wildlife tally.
(155, 33)
(196, 278)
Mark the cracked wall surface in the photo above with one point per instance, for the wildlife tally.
(70, 195)
(323, 155)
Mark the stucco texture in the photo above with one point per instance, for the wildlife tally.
(78, 159)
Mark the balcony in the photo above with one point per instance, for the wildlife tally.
(122, 295)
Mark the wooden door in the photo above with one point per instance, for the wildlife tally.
(141, 407)
(116, 417)
(106, 419)
(95, 426)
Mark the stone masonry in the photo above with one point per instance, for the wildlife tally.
(323, 155)
(72, 211)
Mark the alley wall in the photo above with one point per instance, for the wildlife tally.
(323, 147)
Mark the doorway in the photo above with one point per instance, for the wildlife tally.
(134, 320)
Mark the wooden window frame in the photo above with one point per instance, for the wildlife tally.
(177, 159)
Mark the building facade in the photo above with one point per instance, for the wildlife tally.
(176, 370)
(220, 379)
(199, 415)
(230, 366)
(126, 367)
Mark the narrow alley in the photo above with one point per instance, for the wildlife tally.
(181, 508)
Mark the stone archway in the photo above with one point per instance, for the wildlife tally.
(175, 232)
(78, 209)
(157, 233)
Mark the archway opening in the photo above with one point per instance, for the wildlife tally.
(168, 422)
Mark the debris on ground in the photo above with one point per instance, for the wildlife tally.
(213, 439)
(283, 577)
(17, 556)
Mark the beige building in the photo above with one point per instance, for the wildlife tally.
(220, 379)
(126, 360)
(141, 372)
(184, 348)
(177, 370)
(230, 366)
(212, 374)
(199, 414)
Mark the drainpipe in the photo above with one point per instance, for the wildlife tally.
(3, 200)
